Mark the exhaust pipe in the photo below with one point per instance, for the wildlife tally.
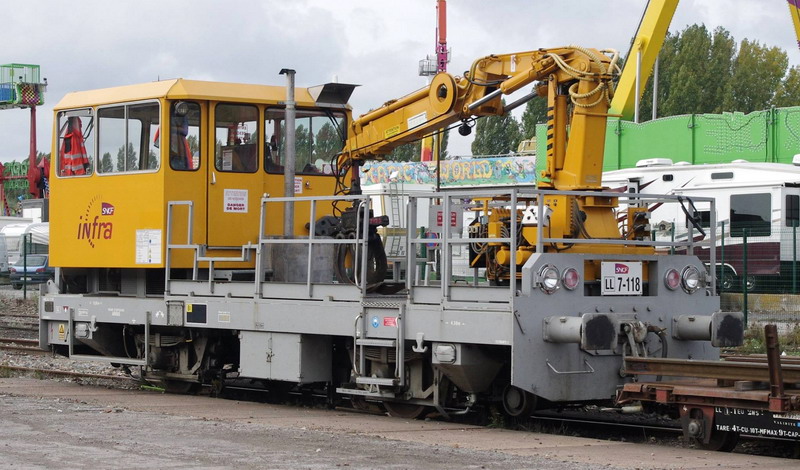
(289, 164)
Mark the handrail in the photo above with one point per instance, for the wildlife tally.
(359, 244)
(446, 243)
(512, 197)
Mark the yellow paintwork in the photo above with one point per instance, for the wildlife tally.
(649, 39)
(81, 235)
(794, 11)
(447, 100)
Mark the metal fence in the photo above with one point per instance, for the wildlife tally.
(757, 269)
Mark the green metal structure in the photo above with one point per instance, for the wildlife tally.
(762, 136)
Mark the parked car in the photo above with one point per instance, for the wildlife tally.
(33, 270)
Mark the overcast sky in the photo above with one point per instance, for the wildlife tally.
(86, 44)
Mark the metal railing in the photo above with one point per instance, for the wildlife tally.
(450, 202)
(519, 198)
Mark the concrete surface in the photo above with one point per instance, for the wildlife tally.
(54, 424)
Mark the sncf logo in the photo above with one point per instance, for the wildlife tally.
(94, 224)
(621, 268)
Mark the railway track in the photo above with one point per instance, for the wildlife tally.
(22, 345)
(597, 424)
(40, 371)
(12, 324)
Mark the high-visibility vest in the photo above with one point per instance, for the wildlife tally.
(180, 153)
(74, 159)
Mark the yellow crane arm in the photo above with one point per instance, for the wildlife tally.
(567, 74)
(794, 11)
(645, 46)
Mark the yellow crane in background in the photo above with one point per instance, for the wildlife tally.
(642, 57)
(794, 11)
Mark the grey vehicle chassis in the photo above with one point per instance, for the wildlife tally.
(563, 346)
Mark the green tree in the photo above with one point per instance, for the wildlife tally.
(194, 144)
(535, 113)
(444, 140)
(406, 153)
(303, 146)
(719, 71)
(152, 161)
(106, 165)
(757, 73)
(687, 81)
(328, 143)
(496, 135)
(127, 162)
(669, 50)
(788, 93)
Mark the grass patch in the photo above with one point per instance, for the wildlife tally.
(755, 342)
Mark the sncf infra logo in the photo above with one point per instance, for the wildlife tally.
(95, 224)
(107, 209)
(621, 268)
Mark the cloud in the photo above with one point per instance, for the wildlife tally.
(378, 44)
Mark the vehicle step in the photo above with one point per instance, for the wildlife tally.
(365, 393)
(384, 343)
(382, 381)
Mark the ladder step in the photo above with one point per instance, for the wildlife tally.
(376, 381)
(385, 343)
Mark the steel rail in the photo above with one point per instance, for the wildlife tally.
(24, 349)
(19, 341)
(721, 370)
(66, 373)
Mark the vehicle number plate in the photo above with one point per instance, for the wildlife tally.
(621, 278)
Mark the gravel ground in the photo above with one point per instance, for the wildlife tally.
(84, 436)
(47, 424)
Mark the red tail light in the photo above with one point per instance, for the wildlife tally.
(12, 270)
(40, 270)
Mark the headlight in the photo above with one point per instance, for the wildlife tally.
(548, 278)
(672, 279)
(691, 279)
(570, 278)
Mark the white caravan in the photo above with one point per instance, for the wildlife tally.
(760, 200)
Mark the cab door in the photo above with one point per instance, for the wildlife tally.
(235, 178)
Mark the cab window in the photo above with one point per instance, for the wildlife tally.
(75, 142)
(319, 137)
(125, 138)
(236, 138)
(184, 136)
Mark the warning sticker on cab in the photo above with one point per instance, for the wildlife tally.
(235, 201)
(390, 321)
(62, 333)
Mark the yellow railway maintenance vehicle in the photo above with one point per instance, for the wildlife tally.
(176, 253)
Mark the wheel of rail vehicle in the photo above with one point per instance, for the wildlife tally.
(404, 410)
(179, 387)
(359, 403)
(518, 402)
(720, 441)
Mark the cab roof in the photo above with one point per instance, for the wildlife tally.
(180, 88)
